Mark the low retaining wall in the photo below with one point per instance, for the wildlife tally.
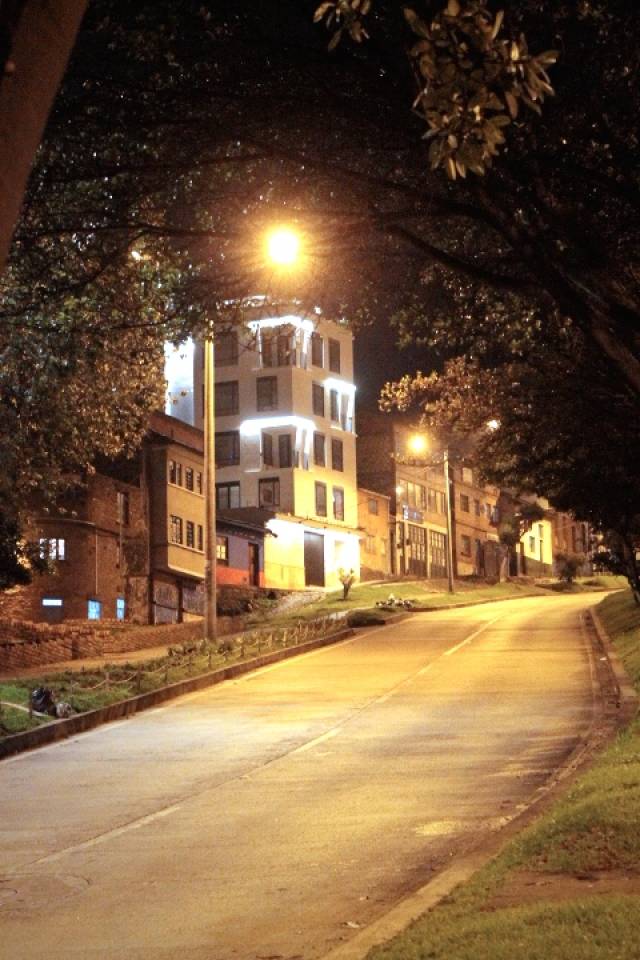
(25, 644)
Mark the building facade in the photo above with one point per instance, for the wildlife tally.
(285, 437)
(474, 515)
(416, 493)
(374, 521)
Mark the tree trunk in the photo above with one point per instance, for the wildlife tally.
(37, 39)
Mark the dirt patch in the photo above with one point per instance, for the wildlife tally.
(524, 887)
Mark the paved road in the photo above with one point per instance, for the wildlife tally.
(275, 815)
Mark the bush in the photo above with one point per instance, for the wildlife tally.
(568, 564)
(365, 618)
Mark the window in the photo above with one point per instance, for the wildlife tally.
(226, 398)
(464, 502)
(476, 507)
(227, 449)
(122, 501)
(52, 601)
(337, 461)
(199, 481)
(442, 502)
(532, 544)
(372, 505)
(173, 471)
(269, 492)
(94, 610)
(188, 478)
(369, 543)
(467, 475)
(317, 350)
(200, 538)
(267, 393)
(286, 346)
(191, 534)
(432, 500)
(267, 450)
(402, 491)
(465, 545)
(285, 452)
(222, 551)
(334, 406)
(121, 608)
(334, 356)
(338, 503)
(321, 499)
(318, 399)
(437, 553)
(383, 547)
(227, 496)
(489, 512)
(52, 548)
(176, 529)
(226, 349)
(319, 455)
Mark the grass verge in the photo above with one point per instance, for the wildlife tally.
(567, 887)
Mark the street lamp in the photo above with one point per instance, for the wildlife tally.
(418, 445)
(283, 250)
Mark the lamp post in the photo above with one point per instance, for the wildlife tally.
(283, 249)
(418, 444)
(211, 539)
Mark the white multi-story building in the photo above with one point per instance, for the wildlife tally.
(285, 440)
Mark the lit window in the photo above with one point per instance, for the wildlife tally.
(226, 349)
(123, 508)
(318, 399)
(267, 393)
(319, 449)
(222, 551)
(52, 548)
(227, 398)
(176, 529)
(317, 350)
(120, 608)
(267, 449)
(338, 503)
(334, 406)
(334, 356)
(94, 610)
(52, 601)
(228, 449)
(321, 499)
(227, 496)
(337, 460)
(175, 472)
(269, 492)
(285, 450)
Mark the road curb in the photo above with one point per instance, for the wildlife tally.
(62, 729)
(406, 911)
(628, 697)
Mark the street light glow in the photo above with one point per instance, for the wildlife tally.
(418, 443)
(283, 246)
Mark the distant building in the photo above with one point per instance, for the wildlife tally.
(418, 522)
(474, 509)
(285, 438)
(374, 521)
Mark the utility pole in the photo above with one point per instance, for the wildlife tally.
(210, 538)
(447, 502)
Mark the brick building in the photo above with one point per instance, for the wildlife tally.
(373, 519)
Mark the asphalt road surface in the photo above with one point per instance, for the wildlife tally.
(277, 814)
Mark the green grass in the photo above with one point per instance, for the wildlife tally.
(593, 827)
(423, 592)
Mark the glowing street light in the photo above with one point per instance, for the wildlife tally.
(283, 246)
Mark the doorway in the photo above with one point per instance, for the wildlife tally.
(314, 559)
(254, 564)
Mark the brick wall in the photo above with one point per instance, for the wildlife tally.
(24, 644)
